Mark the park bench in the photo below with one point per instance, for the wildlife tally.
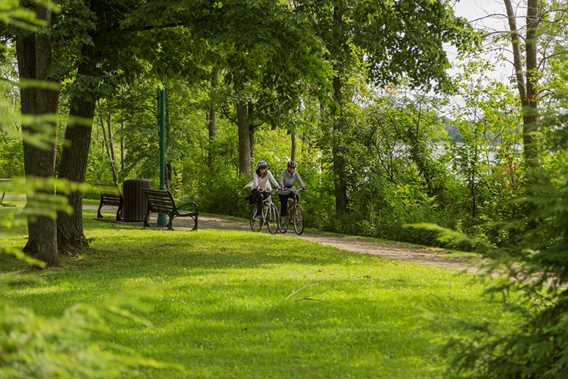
(160, 201)
(113, 200)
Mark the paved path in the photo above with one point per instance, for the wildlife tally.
(377, 248)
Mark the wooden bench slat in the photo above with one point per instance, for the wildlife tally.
(111, 201)
(162, 204)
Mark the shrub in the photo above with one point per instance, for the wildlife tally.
(32, 346)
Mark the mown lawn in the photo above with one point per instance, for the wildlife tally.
(238, 304)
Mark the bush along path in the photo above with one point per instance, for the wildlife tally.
(370, 246)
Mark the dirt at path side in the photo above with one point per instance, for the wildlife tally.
(385, 250)
(417, 255)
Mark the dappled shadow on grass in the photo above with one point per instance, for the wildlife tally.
(237, 304)
(151, 257)
(257, 328)
(166, 253)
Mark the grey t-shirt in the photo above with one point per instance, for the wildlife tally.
(287, 180)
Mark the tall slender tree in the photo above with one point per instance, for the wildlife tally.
(527, 75)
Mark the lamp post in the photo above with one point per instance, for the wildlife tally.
(162, 100)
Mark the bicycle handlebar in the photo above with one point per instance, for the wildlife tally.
(294, 189)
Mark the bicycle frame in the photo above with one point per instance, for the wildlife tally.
(269, 216)
(295, 212)
(295, 199)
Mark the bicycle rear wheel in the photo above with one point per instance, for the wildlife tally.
(272, 219)
(298, 220)
(255, 223)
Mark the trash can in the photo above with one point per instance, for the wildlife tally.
(135, 206)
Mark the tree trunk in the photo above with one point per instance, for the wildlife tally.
(74, 158)
(338, 150)
(473, 183)
(530, 110)
(34, 55)
(516, 44)
(244, 139)
(293, 145)
(212, 116)
(421, 156)
(122, 146)
(527, 79)
(339, 48)
(111, 150)
(212, 130)
(251, 139)
(108, 149)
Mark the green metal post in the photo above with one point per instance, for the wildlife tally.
(162, 218)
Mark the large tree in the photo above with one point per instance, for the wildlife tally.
(269, 54)
(39, 100)
(97, 61)
(88, 24)
(391, 41)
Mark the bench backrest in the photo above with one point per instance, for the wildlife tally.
(111, 199)
(160, 201)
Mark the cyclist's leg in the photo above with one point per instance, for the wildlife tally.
(283, 205)
(265, 198)
(257, 198)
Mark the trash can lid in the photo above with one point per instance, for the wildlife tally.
(136, 180)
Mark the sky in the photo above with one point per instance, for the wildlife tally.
(478, 11)
(475, 9)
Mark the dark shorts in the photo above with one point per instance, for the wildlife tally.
(256, 196)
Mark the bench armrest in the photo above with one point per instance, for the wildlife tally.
(190, 203)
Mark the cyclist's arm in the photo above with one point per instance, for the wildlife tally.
(255, 181)
(300, 180)
(273, 180)
(282, 180)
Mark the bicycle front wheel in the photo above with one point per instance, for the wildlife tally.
(298, 220)
(273, 220)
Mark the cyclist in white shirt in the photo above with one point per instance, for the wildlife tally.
(261, 185)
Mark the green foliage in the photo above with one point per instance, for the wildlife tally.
(432, 234)
(14, 15)
(32, 346)
(270, 306)
(535, 272)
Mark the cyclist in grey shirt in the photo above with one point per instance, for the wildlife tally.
(287, 180)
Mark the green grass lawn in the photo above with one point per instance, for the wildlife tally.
(239, 304)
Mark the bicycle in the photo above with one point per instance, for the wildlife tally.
(270, 217)
(295, 212)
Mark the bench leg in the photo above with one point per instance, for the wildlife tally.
(119, 213)
(171, 221)
(146, 224)
(99, 214)
(195, 222)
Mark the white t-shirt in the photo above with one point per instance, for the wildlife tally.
(264, 183)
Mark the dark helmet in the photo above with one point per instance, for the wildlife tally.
(291, 164)
(262, 164)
